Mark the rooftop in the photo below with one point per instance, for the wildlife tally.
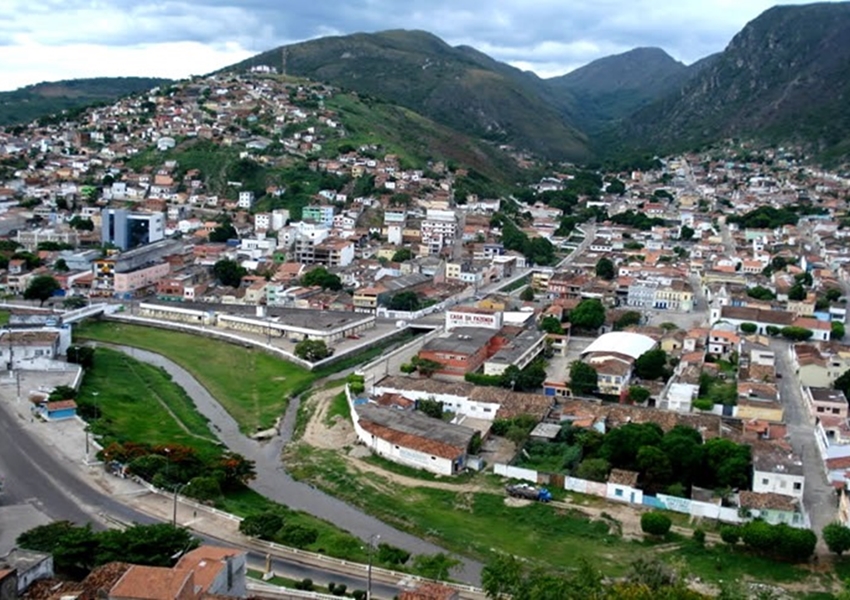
(152, 583)
(463, 340)
(414, 430)
(621, 342)
(828, 395)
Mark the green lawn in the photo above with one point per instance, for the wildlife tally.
(4, 317)
(252, 386)
(139, 403)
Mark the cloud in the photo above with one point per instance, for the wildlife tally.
(549, 37)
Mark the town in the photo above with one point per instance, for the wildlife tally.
(669, 336)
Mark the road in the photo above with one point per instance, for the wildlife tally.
(818, 496)
(276, 484)
(35, 475)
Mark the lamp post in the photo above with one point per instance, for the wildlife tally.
(177, 489)
(372, 539)
(96, 405)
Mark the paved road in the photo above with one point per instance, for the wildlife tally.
(275, 483)
(818, 496)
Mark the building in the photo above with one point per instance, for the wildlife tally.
(29, 567)
(439, 229)
(31, 349)
(761, 317)
(826, 402)
(461, 351)
(412, 438)
(613, 355)
(127, 229)
(246, 200)
(319, 214)
(520, 351)
(819, 365)
(778, 472)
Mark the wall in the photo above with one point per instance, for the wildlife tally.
(778, 483)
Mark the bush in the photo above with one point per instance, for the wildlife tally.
(390, 555)
(655, 523)
(837, 538)
(147, 467)
(264, 525)
(359, 594)
(297, 535)
(730, 534)
(339, 590)
(203, 488)
(703, 404)
(748, 328)
(699, 537)
(305, 584)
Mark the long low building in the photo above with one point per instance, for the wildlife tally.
(292, 323)
(414, 439)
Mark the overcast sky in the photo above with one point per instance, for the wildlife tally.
(45, 40)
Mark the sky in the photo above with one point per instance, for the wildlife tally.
(48, 40)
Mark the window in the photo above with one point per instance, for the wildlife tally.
(798, 486)
(765, 481)
(618, 493)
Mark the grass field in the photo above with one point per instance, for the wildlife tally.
(139, 403)
(338, 408)
(252, 386)
(478, 523)
(4, 317)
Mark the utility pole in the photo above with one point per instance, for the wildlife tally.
(177, 488)
(372, 539)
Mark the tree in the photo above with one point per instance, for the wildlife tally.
(81, 355)
(655, 523)
(748, 328)
(405, 301)
(605, 269)
(527, 295)
(686, 233)
(652, 364)
(551, 324)
(235, 471)
(760, 293)
(843, 383)
(81, 224)
(152, 545)
(321, 277)
(205, 489)
(426, 367)
(229, 272)
(431, 407)
(797, 292)
(837, 538)
(502, 576)
(61, 266)
(836, 330)
(796, 334)
(629, 318)
(264, 525)
(390, 555)
(583, 378)
(74, 302)
(589, 314)
(655, 468)
(638, 394)
(312, 350)
(402, 255)
(223, 233)
(41, 288)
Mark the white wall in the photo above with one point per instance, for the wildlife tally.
(778, 483)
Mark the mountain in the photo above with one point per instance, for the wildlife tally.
(784, 78)
(33, 101)
(458, 87)
(611, 88)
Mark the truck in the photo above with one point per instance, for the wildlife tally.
(528, 492)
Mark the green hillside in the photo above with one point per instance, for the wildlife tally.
(33, 101)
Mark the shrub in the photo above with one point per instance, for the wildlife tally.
(699, 537)
(264, 525)
(340, 590)
(837, 538)
(297, 535)
(703, 404)
(730, 534)
(391, 555)
(655, 523)
(203, 488)
(305, 584)
(748, 327)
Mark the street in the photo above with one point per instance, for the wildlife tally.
(818, 496)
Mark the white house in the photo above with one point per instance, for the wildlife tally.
(778, 473)
(246, 200)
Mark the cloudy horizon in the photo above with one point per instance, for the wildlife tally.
(49, 40)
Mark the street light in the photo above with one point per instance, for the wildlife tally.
(177, 488)
(372, 539)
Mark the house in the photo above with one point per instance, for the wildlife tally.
(58, 410)
(460, 351)
(28, 348)
(826, 402)
(819, 365)
(777, 472)
(29, 566)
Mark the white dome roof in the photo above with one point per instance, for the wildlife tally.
(621, 342)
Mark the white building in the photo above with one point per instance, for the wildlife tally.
(778, 473)
(246, 200)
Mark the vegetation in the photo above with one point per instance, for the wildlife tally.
(605, 269)
(655, 523)
(405, 301)
(255, 399)
(551, 324)
(765, 217)
(837, 538)
(589, 314)
(312, 350)
(41, 288)
(78, 549)
(229, 272)
(760, 293)
(320, 276)
(584, 379)
(652, 364)
(796, 334)
(629, 318)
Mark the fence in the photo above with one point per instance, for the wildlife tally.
(627, 494)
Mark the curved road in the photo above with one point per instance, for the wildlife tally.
(276, 484)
